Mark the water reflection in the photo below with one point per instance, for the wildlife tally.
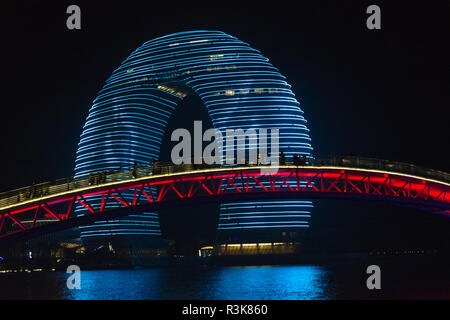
(262, 282)
(228, 283)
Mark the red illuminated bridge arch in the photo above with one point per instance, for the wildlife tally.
(49, 207)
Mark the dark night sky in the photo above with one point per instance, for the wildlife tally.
(382, 93)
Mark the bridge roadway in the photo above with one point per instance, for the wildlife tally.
(39, 209)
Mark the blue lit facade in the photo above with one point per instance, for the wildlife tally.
(240, 89)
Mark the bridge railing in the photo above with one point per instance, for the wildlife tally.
(39, 190)
(382, 165)
(44, 189)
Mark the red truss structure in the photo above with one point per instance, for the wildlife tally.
(53, 213)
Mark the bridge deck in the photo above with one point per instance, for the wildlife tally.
(26, 209)
(10, 199)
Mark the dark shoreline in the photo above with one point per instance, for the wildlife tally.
(241, 260)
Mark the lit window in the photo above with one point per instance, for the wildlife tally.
(171, 90)
(259, 90)
(215, 57)
(244, 91)
(197, 41)
(229, 92)
(213, 68)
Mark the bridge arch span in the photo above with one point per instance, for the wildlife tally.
(27, 219)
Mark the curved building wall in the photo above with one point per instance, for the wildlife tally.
(240, 89)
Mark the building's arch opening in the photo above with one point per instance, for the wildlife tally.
(194, 226)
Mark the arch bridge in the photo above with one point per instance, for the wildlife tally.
(39, 209)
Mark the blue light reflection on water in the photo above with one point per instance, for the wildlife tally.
(400, 280)
(261, 282)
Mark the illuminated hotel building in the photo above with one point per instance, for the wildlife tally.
(239, 88)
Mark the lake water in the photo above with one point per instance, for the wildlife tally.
(343, 281)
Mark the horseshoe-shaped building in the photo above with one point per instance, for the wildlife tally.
(239, 88)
